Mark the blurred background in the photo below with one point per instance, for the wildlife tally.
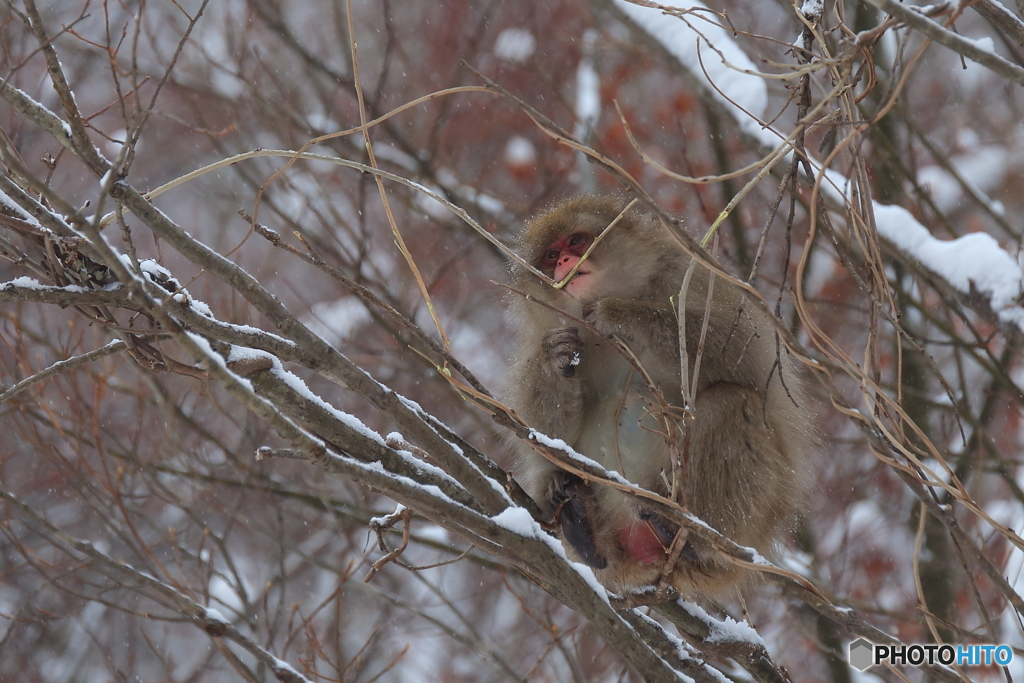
(157, 470)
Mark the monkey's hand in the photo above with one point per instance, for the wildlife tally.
(563, 348)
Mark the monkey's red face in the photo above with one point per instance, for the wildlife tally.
(561, 257)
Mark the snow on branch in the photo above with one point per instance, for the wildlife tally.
(680, 27)
(977, 51)
(974, 265)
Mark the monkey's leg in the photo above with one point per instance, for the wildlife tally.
(739, 480)
(572, 498)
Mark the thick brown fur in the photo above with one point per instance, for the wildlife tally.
(750, 438)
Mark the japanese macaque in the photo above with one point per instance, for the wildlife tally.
(746, 447)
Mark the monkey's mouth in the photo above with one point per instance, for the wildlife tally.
(574, 283)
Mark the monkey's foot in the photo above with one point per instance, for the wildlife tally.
(570, 496)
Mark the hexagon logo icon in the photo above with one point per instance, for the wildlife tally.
(862, 654)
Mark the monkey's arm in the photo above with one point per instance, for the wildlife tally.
(547, 393)
(650, 330)
(549, 397)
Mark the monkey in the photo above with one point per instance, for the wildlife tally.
(746, 448)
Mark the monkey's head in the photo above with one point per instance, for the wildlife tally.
(621, 265)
